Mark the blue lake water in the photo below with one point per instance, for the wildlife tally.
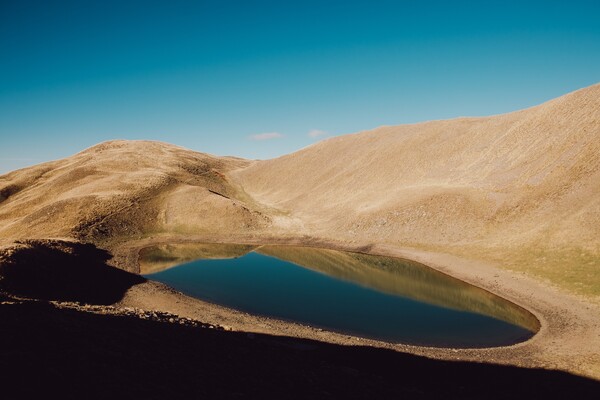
(375, 297)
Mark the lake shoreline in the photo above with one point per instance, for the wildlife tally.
(128, 330)
(382, 298)
(566, 340)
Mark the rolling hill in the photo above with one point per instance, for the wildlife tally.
(508, 203)
(522, 188)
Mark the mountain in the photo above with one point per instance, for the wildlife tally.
(122, 190)
(521, 188)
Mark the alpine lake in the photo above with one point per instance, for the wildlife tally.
(382, 298)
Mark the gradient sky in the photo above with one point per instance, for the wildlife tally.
(254, 78)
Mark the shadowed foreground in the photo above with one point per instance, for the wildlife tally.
(63, 271)
(74, 354)
(69, 349)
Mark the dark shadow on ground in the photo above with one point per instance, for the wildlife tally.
(60, 353)
(66, 271)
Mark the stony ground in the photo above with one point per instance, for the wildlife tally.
(73, 351)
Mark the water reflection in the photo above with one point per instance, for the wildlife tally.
(392, 299)
(405, 278)
(164, 256)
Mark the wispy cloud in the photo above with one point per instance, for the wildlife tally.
(313, 133)
(266, 136)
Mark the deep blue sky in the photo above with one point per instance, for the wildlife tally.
(210, 74)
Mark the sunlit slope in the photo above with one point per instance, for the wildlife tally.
(124, 189)
(521, 188)
(525, 183)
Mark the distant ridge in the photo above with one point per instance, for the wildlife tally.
(522, 188)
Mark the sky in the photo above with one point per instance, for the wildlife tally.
(259, 79)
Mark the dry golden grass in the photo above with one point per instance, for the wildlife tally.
(512, 188)
(521, 188)
(120, 190)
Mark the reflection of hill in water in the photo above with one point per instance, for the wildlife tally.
(161, 257)
(404, 278)
(385, 274)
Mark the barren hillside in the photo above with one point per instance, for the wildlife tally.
(123, 190)
(476, 198)
(522, 187)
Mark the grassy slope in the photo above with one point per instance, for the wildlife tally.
(521, 188)
(121, 190)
